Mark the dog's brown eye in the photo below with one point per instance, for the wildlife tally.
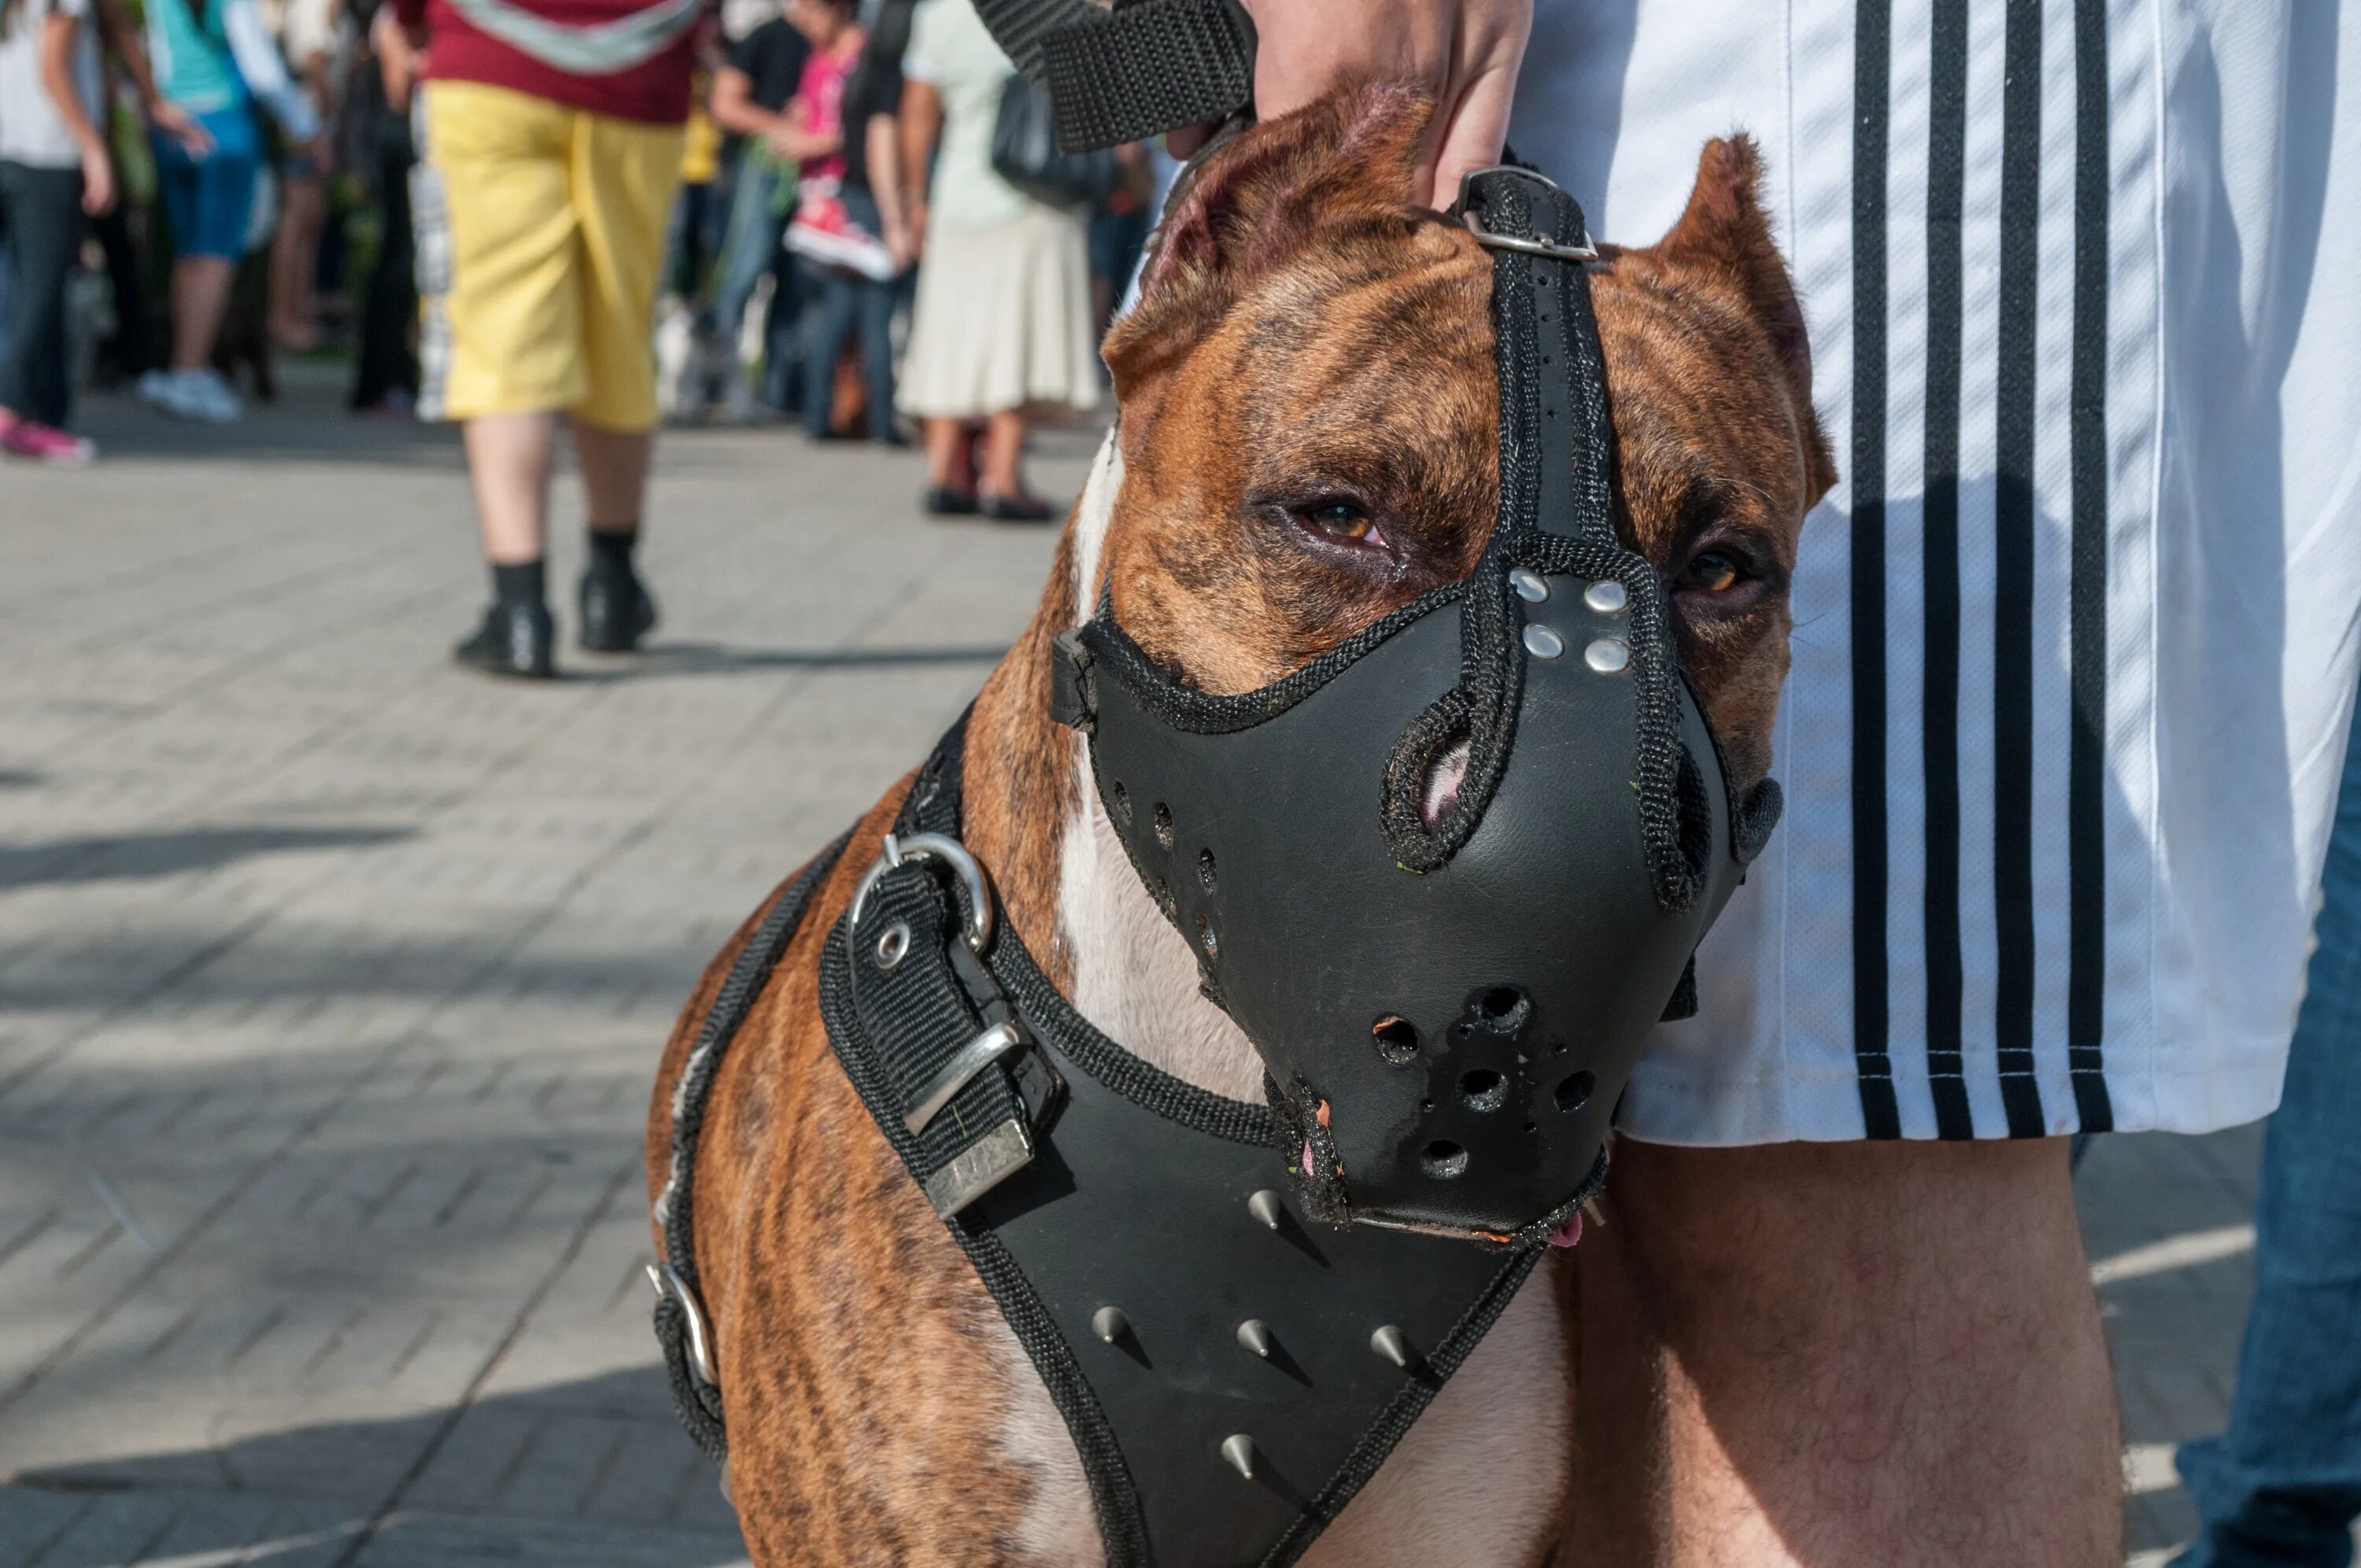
(1710, 572)
(1343, 520)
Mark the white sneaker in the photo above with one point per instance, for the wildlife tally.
(202, 395)
(155, 387)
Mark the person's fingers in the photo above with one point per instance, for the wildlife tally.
(1184, 142)
(1474, 130)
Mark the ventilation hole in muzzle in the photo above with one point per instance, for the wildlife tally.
(1574, 1092)
(1120, 798)
(1163, 820)
(1397, 1038)
(1442, 1159)
(1483, 1089)
(1501, 1007)
(1205, 868)
(1207, 937)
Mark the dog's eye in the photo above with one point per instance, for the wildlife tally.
(1711, 572)
(1342, 520)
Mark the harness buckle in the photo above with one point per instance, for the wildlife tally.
(1492, 239)
(950, 852)
(991, 1046)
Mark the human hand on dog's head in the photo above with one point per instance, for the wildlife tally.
(1311, 415)
(1464, 54)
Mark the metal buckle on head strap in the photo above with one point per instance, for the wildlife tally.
(1493, 240)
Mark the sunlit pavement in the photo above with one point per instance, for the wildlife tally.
(331, 979)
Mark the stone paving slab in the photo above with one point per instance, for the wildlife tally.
(331, 979)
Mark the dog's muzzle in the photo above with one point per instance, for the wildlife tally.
(1448, 875)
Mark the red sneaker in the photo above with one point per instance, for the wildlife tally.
(823, 230)
(44, 445)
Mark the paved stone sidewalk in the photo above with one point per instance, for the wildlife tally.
(331, 979)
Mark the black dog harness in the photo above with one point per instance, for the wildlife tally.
(1239, 1309)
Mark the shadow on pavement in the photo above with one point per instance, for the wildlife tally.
(714, 658)
(132, 856)
(590, 1471)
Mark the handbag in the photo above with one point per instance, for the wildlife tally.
(1024, 152)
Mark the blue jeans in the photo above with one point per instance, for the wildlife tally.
(841, 301)
(2283, 1485)
(749, 252)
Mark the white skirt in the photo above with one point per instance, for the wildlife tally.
(1003, 320)
(2075, 636)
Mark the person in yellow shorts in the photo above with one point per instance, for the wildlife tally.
(550, 155)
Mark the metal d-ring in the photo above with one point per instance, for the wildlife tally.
(952, 853)
(1495, 241)
(668, 1283)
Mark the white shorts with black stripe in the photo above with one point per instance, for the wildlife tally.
(2075, 642)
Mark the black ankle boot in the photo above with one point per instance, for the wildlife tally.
(514, 639)
(617, 610)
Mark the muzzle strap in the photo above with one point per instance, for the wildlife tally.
(1554, 434)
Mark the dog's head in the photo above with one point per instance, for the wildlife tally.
(1311, 415)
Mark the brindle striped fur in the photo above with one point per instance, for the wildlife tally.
(1305, 334)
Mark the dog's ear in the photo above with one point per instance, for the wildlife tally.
(1258, 203)
(1726, 233)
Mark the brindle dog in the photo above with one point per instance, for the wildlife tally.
(1308, 441)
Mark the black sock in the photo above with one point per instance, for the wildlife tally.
(524, 584)
(610, 550)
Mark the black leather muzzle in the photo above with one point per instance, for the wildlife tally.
(1449, 1001)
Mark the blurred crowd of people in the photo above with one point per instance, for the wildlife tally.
(192, 188)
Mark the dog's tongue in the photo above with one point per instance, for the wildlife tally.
(1569, 1233)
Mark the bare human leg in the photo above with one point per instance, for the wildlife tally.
(614, 464)
(1833, 1354)
(945, 443)
(507, 464)
(200, 297)
(1003, 454)
(294, 311)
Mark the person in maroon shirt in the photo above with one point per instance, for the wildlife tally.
(552, 145)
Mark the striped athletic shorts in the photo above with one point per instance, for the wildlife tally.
(2075, 636)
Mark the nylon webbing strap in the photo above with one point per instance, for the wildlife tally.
(919, 1015)
(1146, 69)
(1556, 433)
(699, 1401)
(1133, 72)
